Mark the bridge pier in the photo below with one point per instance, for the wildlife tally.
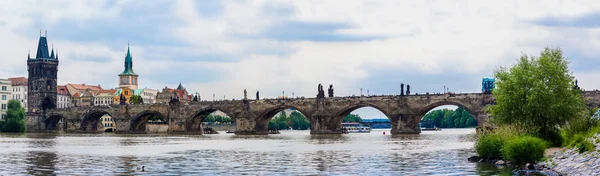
(322, 122)
(247, 124)
(405, 124)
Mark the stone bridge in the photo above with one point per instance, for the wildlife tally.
(253, 116)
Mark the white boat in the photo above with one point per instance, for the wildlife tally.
(355, 128)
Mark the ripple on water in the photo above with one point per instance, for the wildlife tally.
(290, 153)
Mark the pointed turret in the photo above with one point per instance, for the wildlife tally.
(56, 55)
(52, 53)
(180, 87)
(42, 50)
(128, 64)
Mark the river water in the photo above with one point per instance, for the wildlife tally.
(289, 153)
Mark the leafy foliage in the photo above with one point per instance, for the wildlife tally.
(585, 146)
(296, 121)
(446, 118)
(352, 118)
(15, 117)
(537, 94)
(217, 118)
(524, 149)
(489, 146)
(136, 99)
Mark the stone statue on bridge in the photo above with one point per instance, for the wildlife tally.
(330, 90)
(402, 89)
(122, 99)
(245, 94)
(407, 89)
(321, 93)
(257, 97)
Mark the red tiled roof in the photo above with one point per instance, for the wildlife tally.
(18, 81)
(62, 90)
(109, 91)
(77, 95)
(83, 87)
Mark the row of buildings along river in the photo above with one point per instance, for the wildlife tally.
(42, 70)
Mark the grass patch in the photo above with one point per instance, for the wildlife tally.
(585, 146)
(489, 146)
(524, 149)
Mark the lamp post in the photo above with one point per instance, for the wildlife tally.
(367, 92)
(361, 92)
(213, 97)
(444, 89)
(292, 94)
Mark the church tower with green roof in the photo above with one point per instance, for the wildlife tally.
(128, 78)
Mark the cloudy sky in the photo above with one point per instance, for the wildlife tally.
(223, 47)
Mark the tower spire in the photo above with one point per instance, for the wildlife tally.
(52, 53)
(28, 54)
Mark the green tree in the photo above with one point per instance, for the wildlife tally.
(537, 94)
(446, 118)
(136, 99)
(15, 117)
(296, 121)
(352, 118)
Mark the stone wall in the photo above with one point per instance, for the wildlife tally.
(157, 128)
(222, 127)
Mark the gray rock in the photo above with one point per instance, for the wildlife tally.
(500, 162)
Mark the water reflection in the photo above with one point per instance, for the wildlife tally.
(41, 162)
(289, 153)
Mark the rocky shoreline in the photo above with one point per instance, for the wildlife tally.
(526, 169)
(570, 162)
(559, 161)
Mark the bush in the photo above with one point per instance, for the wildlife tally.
(524, 149)
(585, 146)
(489, 146)
(14, 125)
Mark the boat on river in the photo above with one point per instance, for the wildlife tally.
(355, 128)
(431, 129)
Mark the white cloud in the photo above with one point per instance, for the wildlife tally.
(419, 37)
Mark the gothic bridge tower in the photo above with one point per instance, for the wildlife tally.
(43, 69)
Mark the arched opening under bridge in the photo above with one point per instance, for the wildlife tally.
(451, 115)
(56, 123)
(94, 121)
(283, 118)
(209, 121)
(149, 122)
(362, 118)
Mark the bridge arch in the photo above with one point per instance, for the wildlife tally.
(262, 124)
(138, 123)
(342, 113)
(90, 121)
(52, 122)
(194, 124)
(423, 111)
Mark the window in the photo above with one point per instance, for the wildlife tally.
(3, 97)
(3, 87)
(3, 116)
(3, 106)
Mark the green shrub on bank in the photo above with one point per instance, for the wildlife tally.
(585, 146)
(14, 125)
(489, 146)
(524, 149)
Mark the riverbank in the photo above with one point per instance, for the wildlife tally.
(569, 161)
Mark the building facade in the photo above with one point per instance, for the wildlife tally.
(149, 95)
(19, 90)
(108, 125)
(76, 92)
(104, 97)
(42, 78)
(5, 96)
(63, 97)
(128, 78)
(167, 94)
